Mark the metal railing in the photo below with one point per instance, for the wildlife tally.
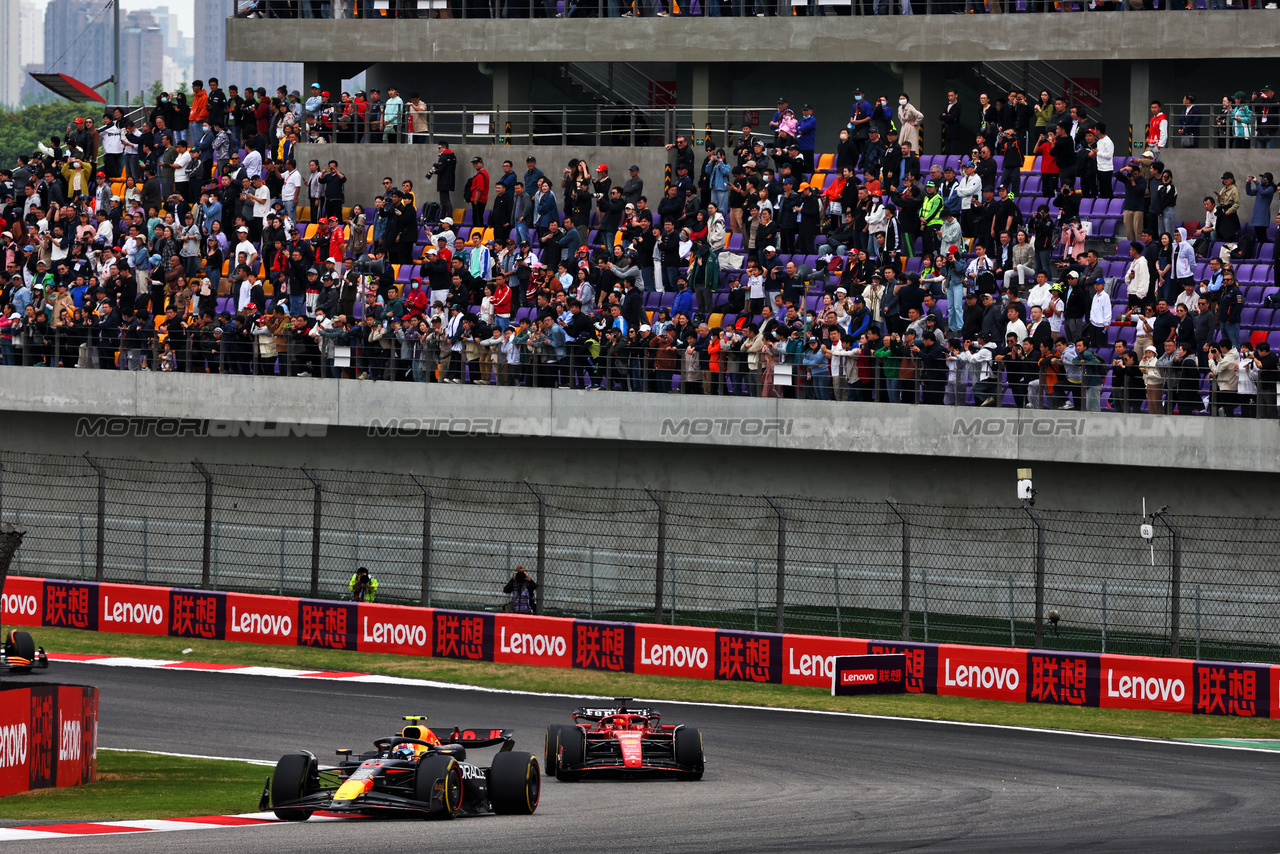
(540, 124)
(641, 367)
(986, 575)
(421, 9)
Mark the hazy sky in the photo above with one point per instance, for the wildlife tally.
(184, 9)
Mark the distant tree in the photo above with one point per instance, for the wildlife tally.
(21, 130)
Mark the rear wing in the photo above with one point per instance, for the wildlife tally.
(477, 737)
(597, 714)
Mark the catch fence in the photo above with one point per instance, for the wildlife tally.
(1008, 576)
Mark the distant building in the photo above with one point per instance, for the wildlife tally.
(210, 48)
(72, 45)
(10, 59)
(141, 54)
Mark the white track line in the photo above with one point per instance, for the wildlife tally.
(375, 679)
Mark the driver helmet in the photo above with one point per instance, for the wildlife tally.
(403, 751)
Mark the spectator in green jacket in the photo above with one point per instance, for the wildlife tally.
(363, 586)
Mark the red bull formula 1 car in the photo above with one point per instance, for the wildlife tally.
(412, 774)
(622, 742)
(19, 654)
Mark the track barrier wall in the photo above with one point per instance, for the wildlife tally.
(1013, 675)
(48, 736)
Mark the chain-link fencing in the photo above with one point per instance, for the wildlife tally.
(1010, 576)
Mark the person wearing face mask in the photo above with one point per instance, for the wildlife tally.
(909, 119)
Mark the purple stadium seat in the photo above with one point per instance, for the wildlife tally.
(1248, 317)
(357, 311)
(1267, 252)
(466, 217)
(735, 242)
(1115, 208)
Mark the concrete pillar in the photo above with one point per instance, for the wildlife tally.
(927, 90)
(709, 86)
(512, 87)
(1115, 103)
(1139, 102)
(330, 76)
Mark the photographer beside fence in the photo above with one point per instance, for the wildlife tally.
(521, 587)
(363, 586)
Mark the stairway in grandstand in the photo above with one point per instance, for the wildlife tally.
(618, 83)
(1033, 77)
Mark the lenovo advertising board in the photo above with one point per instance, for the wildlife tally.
(869, 674)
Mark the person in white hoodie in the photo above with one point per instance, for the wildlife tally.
(1184, 262)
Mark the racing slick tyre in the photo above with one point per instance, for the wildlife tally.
(435, 767)
(22, 646)
(571, 749)
(291, 781)
(689, 752)
(515, 784)
(549, 752)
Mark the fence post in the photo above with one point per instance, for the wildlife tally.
(542, 541)
(660, 567)
(102, 517)
(906, 570)
(424, 597)
(1175, 582)
(207, 554)
(315, 537)
(782, 563)
(1, 491)
(1040, 560)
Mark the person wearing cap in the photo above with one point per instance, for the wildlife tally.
(477, 191)
(633, 189)
(1228, 225)
(444, 171)
(1264, 191)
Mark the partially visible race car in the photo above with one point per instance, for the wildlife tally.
(413, 774)
(622, 742)
(19, 653)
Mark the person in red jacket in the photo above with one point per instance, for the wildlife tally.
(1048, 165)
(478, 192)
(501, 302)
(417, 298)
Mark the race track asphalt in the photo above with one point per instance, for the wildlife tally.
(775, 781)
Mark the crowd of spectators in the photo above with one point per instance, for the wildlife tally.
(194, 242)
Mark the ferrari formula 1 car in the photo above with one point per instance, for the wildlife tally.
(622, 742)
(19, 654)
(411, 774)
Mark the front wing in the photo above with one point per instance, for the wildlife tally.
(368, 803)
(17, 664)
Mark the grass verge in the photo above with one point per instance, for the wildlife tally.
(145, 785)
(556, 680)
